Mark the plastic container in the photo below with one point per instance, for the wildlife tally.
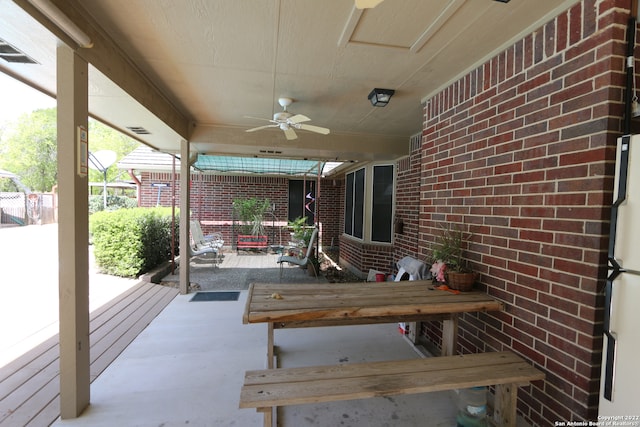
(472, 407)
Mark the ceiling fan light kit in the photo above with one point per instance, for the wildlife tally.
(380, 97)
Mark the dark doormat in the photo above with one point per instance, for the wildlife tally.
(215, 296)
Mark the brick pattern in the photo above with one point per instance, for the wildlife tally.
(521, 152)
(212, 200)
(408, 202)
(361, 257)
(331, 208)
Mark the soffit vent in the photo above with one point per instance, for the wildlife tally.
(270, 152)
(138, 130)
(10, 54)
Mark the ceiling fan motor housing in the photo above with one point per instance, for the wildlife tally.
(282, 116)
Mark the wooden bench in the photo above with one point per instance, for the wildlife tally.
(252, 242)
(269, 388)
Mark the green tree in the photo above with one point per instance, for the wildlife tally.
(28, 149)
(6, 185)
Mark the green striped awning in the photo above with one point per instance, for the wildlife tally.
(258, 165)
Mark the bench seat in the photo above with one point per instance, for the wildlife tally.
(252, 242)
(264, 389)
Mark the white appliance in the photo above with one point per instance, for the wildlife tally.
(621, 371)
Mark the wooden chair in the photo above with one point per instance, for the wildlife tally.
(297, 260)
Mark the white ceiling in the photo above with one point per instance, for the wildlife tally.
(194, 69)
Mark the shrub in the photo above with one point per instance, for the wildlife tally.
(130, 242)
(96, 203)
(251, 213)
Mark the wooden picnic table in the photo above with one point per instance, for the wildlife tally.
(338, 304)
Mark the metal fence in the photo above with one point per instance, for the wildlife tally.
(24, 209)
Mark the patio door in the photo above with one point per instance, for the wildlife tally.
(302, 200)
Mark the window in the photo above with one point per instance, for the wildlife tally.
(354, 204)
(369, 202)
(382, 203)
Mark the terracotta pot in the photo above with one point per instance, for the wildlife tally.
(462, 282)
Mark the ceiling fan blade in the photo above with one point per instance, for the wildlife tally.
(259, 118)
(316, 129)
(261, 127)
(298, 118)
(290, 134)
(367, 4)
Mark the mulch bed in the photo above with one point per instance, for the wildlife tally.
(328, 260)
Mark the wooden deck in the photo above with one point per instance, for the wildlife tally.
(29, 385)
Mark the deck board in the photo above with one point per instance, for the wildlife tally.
(30, 384)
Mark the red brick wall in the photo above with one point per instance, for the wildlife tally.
(408, 203)
(212, 198)
(521, 151)
(361, 257)
(331, 206)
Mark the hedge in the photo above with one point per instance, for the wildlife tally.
(96, 203)
(131, 242)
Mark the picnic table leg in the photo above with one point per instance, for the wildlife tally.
(505, 405)
(450, 335)
(268, 416)
(270, 353)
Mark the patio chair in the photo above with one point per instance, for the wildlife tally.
(200, 241)
(297, 260)
(201, 244)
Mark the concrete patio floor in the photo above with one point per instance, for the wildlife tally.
(187, 366)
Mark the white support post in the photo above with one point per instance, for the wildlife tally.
(185, 207)
(73, 232)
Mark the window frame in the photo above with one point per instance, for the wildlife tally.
(368, 202)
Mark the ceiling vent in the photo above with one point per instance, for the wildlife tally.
(270, 152)
(138, 130)
(13, 55)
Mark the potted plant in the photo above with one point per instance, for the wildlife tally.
(250, 212)
(449, 264)
(300, 232)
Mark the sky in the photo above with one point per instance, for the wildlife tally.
(18, 98)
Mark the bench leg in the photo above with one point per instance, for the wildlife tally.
(268, 416)
(450, 335)
(270, 353)
(505, 405)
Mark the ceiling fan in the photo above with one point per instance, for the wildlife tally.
(287, 122)
(367, 4)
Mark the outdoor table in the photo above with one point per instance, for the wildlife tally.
(340, 304)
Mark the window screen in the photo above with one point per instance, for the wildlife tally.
(354, 204)
(382, 208)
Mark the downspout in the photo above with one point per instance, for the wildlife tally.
(138, 185)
